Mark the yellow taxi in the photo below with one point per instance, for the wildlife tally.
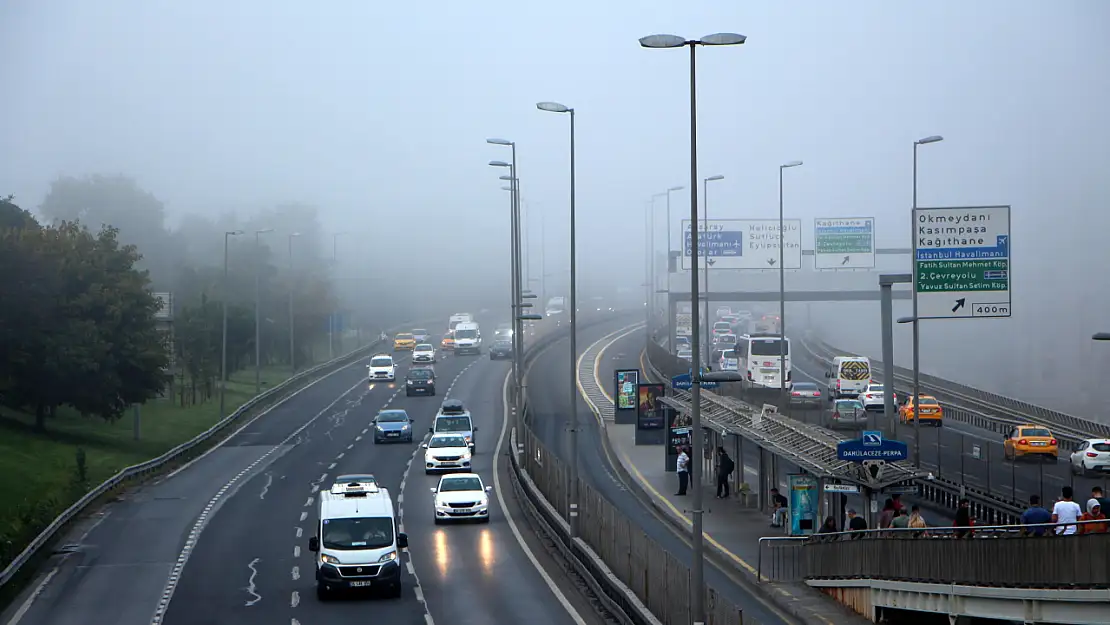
(448, 341)
(931, 412)
(1025, 441)
(404, 341)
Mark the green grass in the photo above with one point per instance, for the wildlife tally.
(40, 469)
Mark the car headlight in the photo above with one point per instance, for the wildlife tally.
(408, 381)
(468, 439)
(466, 456)
(378, 427)
(388, 557)
(405, 427)
(326, 559)
(484, 501)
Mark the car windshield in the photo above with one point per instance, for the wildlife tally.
(381, 362)
(447, 441)
(849, 405)
(927, 401)
(456, 484)
(728, 353)
(466, 334)
(767, 347)
(356, 533)
(728, 338)
(404, 337)
(805, 386)
(420, 332)
(423, 347)
(392, 416)
(453, 424)
(419, 374)
(875, 388)
(1036, 432)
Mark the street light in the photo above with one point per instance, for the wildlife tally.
(257, 315)
(223, 342)
(514, 250)
(332, 325)
(292, 349)
(916, 429)
(782, 289)
(697, 569)
(916, 326)
(1101, 336)
(705, 221)
(555, 107)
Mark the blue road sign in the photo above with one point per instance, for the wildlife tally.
(872, 438)
(715, 243)
(859, 450)
(685, 382)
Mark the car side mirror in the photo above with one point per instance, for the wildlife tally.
(433, 489)
(411, 420)
(432, 430)
(403, 540)
(314, 544)
(475, 429)
(424, 445)
(489, 489)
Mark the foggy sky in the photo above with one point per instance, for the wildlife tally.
(378, 113)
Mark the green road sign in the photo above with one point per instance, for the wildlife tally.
(962, 262)
(844, 243)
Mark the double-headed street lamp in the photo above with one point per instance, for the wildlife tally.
(914, 318)
(514, 236)
(555, 107)
(705, 222)
(223, 342)
(292, 334)
(1101, 336)
(257, 313)
(697, 570)
(782, 289)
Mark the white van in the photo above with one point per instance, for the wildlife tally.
(454, 418)
(850, 376)
(356, 538)
(468, 338)
(458, 318)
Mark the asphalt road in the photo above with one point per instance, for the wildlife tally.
(949, 452)
(549, 387)
(231, 531)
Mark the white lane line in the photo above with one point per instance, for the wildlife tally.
(296, 551)
(217, 499)
(266, 488)
(308, 502)
(296, 573)
(250, 584)
(300, 532)
(555, 590)
(358, 438)
(22, 611)
(339, 457)
(401, 495)
(304, 515)
(295, 599)
(331, 466)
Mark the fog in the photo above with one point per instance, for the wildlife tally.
(375, 115)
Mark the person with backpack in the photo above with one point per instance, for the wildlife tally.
(725, 467)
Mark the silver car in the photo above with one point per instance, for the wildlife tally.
(847, 413)
(805, 395)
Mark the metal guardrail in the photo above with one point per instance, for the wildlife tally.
(980, 408)
(143, 470)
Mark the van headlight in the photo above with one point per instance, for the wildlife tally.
(326, 559)
(388, 557)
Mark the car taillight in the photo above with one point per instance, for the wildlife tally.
(836, 415)
(796, 394)
(816, 393)
(1052, 442)
(1091, 454)
(838, 385)
(1023, 442)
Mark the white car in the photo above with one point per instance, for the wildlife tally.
(686, 354)
(460, 497)
(872, 397)
(420, 335)
(446, 452)
(424, 352)
(382, 368)
(1091, 455)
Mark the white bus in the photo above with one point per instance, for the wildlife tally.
(555, 306)
(758, 356)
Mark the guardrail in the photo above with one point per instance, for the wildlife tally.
(140, 472)
(971, 405)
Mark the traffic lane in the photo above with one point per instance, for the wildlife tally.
(950, 452)
(130, 550)
(252, 560)
(550, 403)
(477, 565)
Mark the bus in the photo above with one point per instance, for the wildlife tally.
(758, 357)
(555, 306)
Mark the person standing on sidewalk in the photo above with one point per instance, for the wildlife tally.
(725, 467)
(682, 467)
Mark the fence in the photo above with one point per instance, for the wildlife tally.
(780, 559)
(657, 578)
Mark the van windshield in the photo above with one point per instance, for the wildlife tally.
(453, 424)
(381, 362)
(357, 533)
(466, 334)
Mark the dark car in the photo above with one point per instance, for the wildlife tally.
(420, 381)
(501, 349)
(392, 426)
(805, 395)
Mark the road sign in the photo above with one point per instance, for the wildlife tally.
(683, 324)
(844, 242)
(743, 244)
(962, 265)
(685, 382)
(872, 438)
(857, 450)
(841, 488)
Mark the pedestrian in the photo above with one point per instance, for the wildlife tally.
(856, 523)
(725, 467)
(1066, 511)
(682, 467)
(916, 520)
(898, 505)
(963, 519)
(828, 527)
(1096, 493)
(901, 520)
(779, 506)
(1036, 516)
(1094, 513)
(887, 514)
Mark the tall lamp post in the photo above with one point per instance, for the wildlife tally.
(697, 569)
(782, 289)
(555, 107)
(223, 341)
(916, 321)
(667, 266)
(292, 344)
(332, 325)
(514, 236)
(652, 293)
(705, 221)
(257, 314)
(1101, 336)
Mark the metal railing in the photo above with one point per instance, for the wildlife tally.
(971, 405)
(140, 472)
(784, 561)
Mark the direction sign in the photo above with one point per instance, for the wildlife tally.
(685, 382)
(841, 488)
(743, 244)
(962, 262)
(857, 450)
(844, 242)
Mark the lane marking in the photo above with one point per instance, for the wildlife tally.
(295, 599)
(296, 551)
(300, 532)
(555, 590)
(296, 573)
(266, 488)
(250, 584)
(304, 515)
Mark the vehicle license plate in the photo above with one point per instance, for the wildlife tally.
(358, 584)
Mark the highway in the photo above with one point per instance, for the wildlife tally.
(549, 396)
(225, 539)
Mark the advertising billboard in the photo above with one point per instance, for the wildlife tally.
(627, 380)
(650, 409)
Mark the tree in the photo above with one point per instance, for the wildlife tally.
(13, 217)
